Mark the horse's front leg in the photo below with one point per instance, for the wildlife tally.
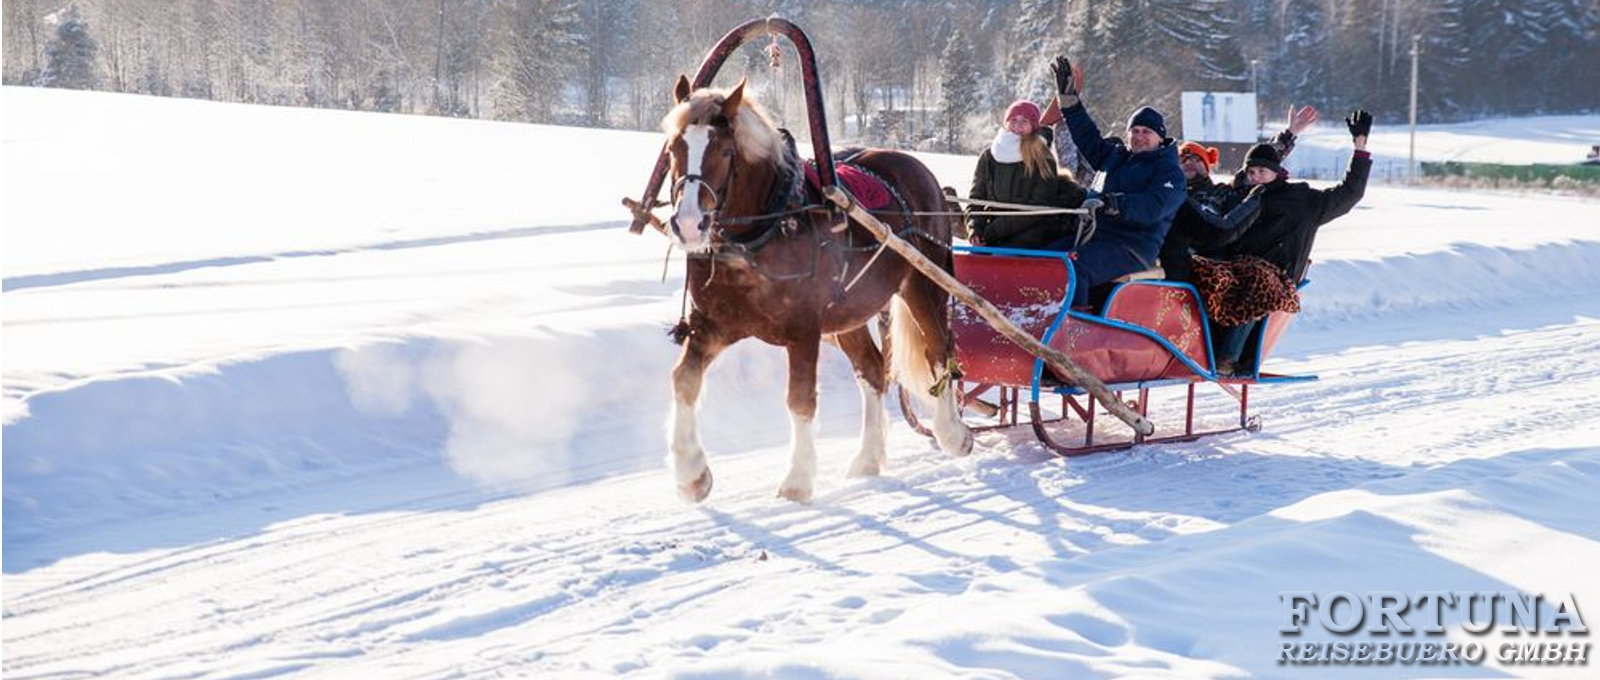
(873, 377)
(688, 456)
(797, 485)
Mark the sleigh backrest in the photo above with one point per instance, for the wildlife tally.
(1172, 310)
(1032, 288)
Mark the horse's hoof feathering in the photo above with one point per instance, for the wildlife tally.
(697, 490)
(865, 467)
(797, 494)
(967, 443)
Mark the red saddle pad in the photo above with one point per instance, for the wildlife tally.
(866, 187)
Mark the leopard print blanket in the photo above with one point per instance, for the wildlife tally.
(1243, 289)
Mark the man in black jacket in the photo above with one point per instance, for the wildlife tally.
(1208, 220)
(1290, 215)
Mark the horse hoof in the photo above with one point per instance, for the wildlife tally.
(697, 490)
(865, 466)
(964, 448)
(795, 493)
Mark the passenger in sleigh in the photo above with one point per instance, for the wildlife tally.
(1208, 219)
(1142, 190)
(1259, 272)
(1019, 168)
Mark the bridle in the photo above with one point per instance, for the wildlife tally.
(677, 190)
(708, 220)
(740, 238)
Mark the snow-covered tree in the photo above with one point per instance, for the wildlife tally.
(21, 40)
(613, 61)
(542, 44)
(958, 84)
(70, 55)
(606, 28)
(1570, 77)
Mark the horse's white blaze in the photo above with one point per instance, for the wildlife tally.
(802, 475)
(874, 433)
(688, 457)
(689, 213)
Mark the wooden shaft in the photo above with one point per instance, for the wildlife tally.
(643, 215)
(1056, 359)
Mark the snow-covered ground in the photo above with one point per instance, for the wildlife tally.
(1558, 140)
(302, 393)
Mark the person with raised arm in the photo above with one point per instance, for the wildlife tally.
(1281, 239)
(1217, 213)
(1142, 188)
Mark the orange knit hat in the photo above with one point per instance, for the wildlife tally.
(1207, 154)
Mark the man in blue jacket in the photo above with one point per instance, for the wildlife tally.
(1144, 186)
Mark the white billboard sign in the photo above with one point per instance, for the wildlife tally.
(1219, 117)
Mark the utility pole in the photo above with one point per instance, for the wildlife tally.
(1255, 92)
(438, 59)
(1416, 49)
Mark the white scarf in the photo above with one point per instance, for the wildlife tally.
(1006, 147)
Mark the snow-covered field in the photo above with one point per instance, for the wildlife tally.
(298, 393)
(1557, 140)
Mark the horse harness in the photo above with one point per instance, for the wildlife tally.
(789, 198)
(739, 239)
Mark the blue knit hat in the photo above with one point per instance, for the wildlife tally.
(1149, 118)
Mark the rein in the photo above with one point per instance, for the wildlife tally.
(752, 233)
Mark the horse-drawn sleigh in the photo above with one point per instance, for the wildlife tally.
(789, 252)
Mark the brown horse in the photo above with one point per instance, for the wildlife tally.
(792, 281)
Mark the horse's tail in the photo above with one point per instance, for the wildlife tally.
(908, 350)
(919, 339)
(919, 335)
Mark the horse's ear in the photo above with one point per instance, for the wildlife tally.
(730, 106)
(680, 91)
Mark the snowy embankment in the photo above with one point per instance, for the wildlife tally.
(346, 395)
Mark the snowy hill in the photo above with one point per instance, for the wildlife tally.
(298, 393)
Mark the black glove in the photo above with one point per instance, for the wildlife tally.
(1359, 122)
(1062, 69)
(1113, 203)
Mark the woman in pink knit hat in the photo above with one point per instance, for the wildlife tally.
(1018, 167)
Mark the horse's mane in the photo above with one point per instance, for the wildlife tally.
(756, 136)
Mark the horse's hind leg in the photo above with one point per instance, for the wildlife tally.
(797, 485)
(688, 456)
(921, 350)
(873, 376)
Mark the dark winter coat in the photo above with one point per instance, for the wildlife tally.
(1012, 183)
(1151, 188)
(1211, 218)
(1291, 214)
